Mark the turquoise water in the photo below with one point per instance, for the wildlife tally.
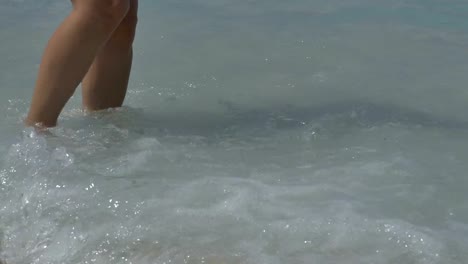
(253, 132)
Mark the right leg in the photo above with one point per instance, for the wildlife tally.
(105, 84)
(69, 54)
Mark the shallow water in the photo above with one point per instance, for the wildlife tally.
(253, 132)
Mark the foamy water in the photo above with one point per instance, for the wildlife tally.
(254, 132)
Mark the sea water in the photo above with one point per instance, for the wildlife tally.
(257, 132)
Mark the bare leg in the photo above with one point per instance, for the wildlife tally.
(69, 54)
(105, 85)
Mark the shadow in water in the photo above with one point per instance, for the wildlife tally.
(238, 118)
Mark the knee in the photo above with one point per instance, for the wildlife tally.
(128, 26)
(105, 13)
(124, 35)
(110, 13)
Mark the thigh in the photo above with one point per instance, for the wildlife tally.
(133, 12)
(131, 19)
(101, 4)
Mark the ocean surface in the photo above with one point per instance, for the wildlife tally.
(254, 132)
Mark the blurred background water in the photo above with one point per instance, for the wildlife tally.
(253, 132)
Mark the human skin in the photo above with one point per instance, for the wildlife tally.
(93, 45)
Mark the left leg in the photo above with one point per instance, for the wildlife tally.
(105, 84)
(69, 54)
